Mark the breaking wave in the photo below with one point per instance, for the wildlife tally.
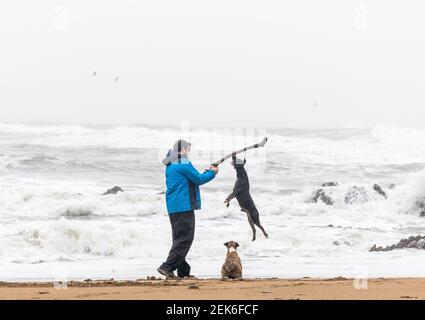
(52, 180)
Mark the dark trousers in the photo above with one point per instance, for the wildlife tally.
(183, 230)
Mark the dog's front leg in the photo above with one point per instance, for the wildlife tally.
(230, 197)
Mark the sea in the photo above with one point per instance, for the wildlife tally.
(55, 224)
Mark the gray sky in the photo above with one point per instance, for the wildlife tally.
(241, 63)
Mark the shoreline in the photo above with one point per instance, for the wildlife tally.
(217, 289)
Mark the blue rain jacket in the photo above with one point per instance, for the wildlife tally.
(183, 181)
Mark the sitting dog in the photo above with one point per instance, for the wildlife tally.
(232, 267)
(241, 193)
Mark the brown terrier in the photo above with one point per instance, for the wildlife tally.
(232, 267)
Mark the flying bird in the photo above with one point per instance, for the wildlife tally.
(94, 74)
(116, 78)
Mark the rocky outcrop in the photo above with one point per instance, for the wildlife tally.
(418, 207)
(379, 189)
(322, 196)
(356, 195)
(414, 242)
(331, 193)
(113, 190)
(330, 184)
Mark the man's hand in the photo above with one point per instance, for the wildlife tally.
(215, 169)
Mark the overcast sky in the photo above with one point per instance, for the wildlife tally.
(214, 63)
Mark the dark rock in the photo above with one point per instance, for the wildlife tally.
(114, 190)
(356, 195)
(330, 184)
(193, 287)
(414, 242)
(322, 196)
(420, 207)
(379, 189)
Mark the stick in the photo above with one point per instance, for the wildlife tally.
(254, 146)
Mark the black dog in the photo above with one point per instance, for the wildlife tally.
(241, 193)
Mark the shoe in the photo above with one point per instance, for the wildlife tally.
(183, 270)
(189, 276)
(166, 273)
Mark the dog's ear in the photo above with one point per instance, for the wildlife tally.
(237, 244)
(226, 244)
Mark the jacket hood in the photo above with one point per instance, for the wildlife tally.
(170, 157)
(173, 156)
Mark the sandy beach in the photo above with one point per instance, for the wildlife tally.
(215, 289)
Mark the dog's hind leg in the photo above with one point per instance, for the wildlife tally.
(264, 231)
(251, 223)
(230, 197)
(258, 224)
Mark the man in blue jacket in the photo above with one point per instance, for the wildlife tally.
(182, 197)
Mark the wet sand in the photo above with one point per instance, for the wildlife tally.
(216, 289)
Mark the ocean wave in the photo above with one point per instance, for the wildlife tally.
(411, 198)
(52, 178)
(372, 146)
(51, 241)
(78, 240)
(45, 202)
(398, 136)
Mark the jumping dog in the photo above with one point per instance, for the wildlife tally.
(241, 193)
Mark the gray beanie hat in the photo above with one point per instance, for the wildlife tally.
(181, 144)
